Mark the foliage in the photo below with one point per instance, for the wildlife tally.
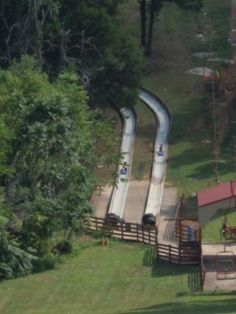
(87, 38)
(48, 261)
(63, 247)
(49, 158)
(14, 261)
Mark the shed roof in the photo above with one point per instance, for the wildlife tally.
(217, 193)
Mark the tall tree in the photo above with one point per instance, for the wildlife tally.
(84, 38)
(143, 19)
(53, 146)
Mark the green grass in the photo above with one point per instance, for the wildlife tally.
(120, 278)
(211, 232)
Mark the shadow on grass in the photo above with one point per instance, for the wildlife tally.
(149, 257)
(161, 269)
(205, 306)
(194, 281)
(200, 158)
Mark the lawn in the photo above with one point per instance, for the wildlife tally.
(120, 278)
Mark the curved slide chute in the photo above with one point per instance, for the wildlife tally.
(156, 187)
(119, 195)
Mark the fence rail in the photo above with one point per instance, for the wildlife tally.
(124, 231)
(182, 253)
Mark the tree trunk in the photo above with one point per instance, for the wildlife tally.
(148, 49)
(39, 33)
(143, 17)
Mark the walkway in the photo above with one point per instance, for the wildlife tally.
(213, 259)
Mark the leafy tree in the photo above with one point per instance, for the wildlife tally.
(52, 151)
(86, 38)
(14, 261)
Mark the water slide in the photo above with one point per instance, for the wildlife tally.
(156, 188)
(119, 195)
(155, 193)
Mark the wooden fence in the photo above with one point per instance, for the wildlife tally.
(202, 273)
(124, 231)
(182, 225)
(186, 253)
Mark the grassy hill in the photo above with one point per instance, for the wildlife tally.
(120, 278)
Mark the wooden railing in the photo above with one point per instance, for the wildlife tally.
(185, 253)
(181, 227)
(124, 231)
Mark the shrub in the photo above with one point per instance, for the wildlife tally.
(63, 247)
(46, 262)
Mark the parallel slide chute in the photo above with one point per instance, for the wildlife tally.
(119, 195)
(156, 187)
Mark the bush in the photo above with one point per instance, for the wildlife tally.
(46, 262)
(64, 247)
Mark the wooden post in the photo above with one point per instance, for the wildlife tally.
(169, 253)
(200, 244)
(180, 241)
(96, 223)
(122, 231)
(156, 235)
(137, 232)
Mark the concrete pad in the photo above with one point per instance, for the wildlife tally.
(136, 201)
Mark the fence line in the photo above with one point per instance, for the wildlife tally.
(183, 253)
(124, 231)
(202, 273)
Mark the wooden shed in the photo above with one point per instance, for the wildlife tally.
(210, 200)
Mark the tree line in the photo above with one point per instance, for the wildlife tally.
(62, 62)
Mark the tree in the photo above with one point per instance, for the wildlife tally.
(153, 7)
(52, 151)
(84, 38)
